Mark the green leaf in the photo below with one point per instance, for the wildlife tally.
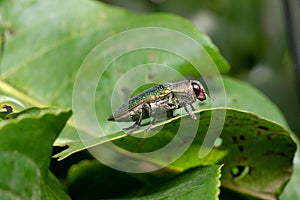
(243, 96)
(198, 183)
(25, 150)
(85, 178)
(89, 179)
(259, 161)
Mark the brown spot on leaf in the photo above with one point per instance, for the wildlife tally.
(235, 139)
(240, 159)
(241, 148)
(263, 128)
(242, 137)
(250, 170)
(258, 133)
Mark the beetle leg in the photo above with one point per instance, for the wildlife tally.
(193, 116)
(137, 124)
(152, 122)
(170, 98)
(172, 102)
(192, 107)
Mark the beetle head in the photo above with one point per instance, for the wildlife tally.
(198, 90)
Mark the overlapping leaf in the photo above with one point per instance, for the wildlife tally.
(25, 150)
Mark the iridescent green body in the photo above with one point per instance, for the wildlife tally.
(160, 98)
(150, 95)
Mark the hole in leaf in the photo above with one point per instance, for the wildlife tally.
(241, 148)
(239, 171)
(242, 137)
(258, 133)
(234, 138)
(263, 127)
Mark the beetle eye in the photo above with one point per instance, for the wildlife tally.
(196, 89)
